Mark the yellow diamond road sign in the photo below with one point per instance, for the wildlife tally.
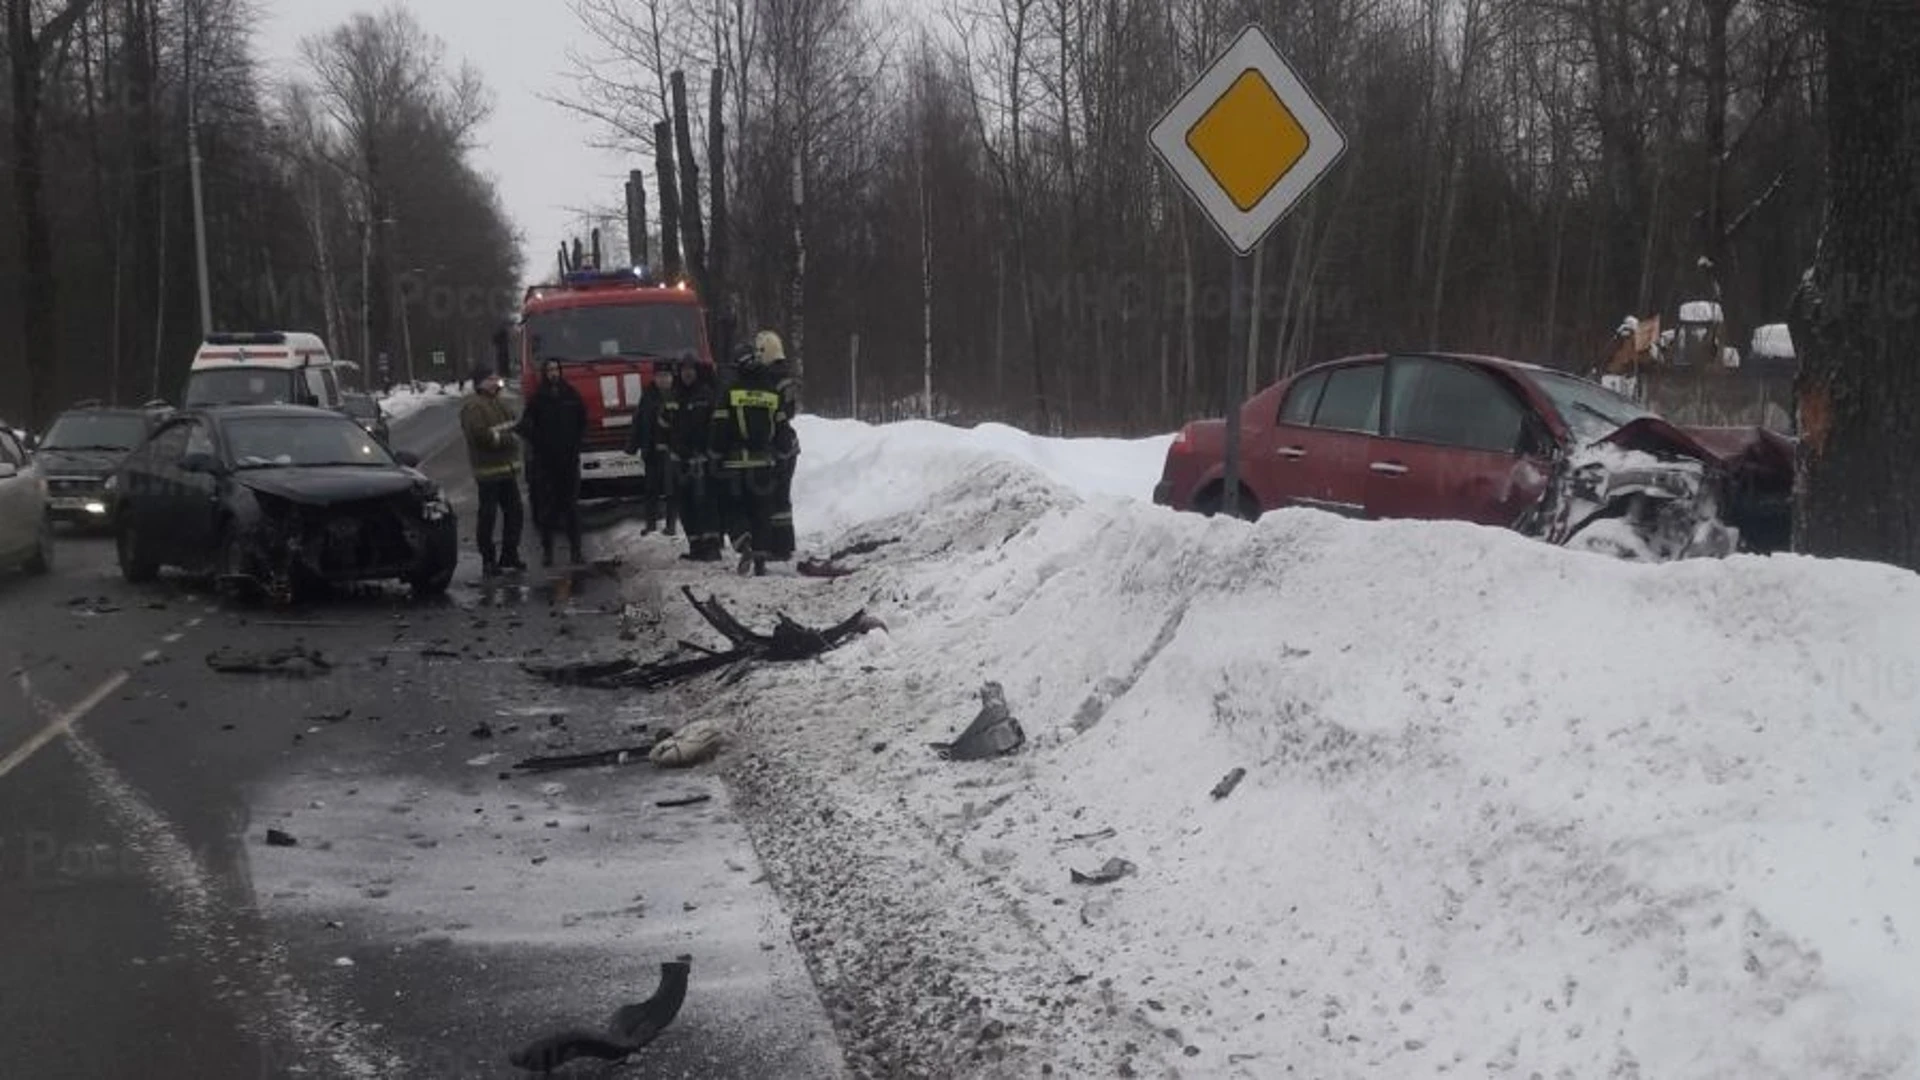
(1248, 140)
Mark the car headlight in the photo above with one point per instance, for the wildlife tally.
(435, 507)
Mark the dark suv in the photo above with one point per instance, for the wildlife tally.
(82, 449)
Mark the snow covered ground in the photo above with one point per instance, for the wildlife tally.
(1508, 809)
(405, 400)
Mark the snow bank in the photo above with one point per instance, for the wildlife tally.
(1507, 808)
(405, 400)
(852, 472)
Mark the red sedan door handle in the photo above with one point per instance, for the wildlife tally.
(1291, 452)
(1389, 468)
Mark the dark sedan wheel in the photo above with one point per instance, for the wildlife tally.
(136, 565)
(433, 583)
(234, 576)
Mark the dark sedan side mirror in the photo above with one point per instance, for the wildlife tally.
(408, 458)
(200, 463)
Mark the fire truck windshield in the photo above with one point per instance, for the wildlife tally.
(591, 333)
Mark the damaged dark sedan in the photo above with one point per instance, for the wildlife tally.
(280, 499)
(1496, 442)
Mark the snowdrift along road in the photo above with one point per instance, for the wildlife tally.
(1508, 808)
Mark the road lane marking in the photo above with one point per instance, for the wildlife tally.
(170, 638)
(60, 724)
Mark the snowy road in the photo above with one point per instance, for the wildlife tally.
(433, 915)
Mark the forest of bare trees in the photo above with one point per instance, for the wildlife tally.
(338, 196)
(1521, 174)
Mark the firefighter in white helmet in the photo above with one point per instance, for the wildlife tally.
(772, 353)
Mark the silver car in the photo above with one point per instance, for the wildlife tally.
(26, 536)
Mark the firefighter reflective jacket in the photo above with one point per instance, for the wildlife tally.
(751, 423)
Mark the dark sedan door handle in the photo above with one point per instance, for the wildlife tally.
(1294, 452)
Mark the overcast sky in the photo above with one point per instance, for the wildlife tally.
(536, 151)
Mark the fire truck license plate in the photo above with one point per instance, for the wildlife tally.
(612, 467)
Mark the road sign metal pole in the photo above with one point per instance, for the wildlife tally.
(1236, 366)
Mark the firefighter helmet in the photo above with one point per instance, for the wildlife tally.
(768, 347)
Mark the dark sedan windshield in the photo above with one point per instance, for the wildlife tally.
(95, 431)
(1591, 410)
(590, 333)
(302, 442)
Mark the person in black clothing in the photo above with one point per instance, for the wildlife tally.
(652, 435)
(746, 431)
(554, 424)
(690, 447)
(786, 452)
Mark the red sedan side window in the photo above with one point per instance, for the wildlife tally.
(1301, 398)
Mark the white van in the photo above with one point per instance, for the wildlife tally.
(278, 367)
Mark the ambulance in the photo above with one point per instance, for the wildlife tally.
(275, 367)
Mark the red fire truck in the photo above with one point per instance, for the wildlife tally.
(609, 329)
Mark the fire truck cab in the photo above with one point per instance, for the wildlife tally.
(609, 329)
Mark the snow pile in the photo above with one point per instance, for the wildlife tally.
(1507, 808)
(851, 472)
(406, 399)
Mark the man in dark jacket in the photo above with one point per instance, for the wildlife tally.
(554, 424)
(652, 435)
(488, 425)
(690, 448)
(747, 430)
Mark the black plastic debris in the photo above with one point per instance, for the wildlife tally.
(622, 755)
(629, 1029)
(292, 662)
(331, 716)
(483, 731)
(690, 800)
(1111, 871)
(1226, 785)
(993, 733)
(276, 838)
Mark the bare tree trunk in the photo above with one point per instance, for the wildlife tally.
(720, 301)
(1856, 324)
(797, 331)
(692, 229)
(669, 199)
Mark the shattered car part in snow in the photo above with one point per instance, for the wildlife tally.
(690, 800)
(821, 568)
(1111, 871)
(293, 662)
(630, 1028)
(993, 733)
(276, 838)
(789, 641)
(1227, 783)
(554, 763)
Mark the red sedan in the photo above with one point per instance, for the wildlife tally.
(1497, 442)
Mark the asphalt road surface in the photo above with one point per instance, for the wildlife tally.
(437, 909)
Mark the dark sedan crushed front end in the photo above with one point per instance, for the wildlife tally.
(304, 527)
(281, 500)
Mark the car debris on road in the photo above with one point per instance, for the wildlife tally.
(630, 1028)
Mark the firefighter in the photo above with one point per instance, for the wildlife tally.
(652, 435)
(772, 352)
(690, 448)
(747, 430)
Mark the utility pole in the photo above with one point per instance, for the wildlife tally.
(193, 171)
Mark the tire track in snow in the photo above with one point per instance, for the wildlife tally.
(1110, 690)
